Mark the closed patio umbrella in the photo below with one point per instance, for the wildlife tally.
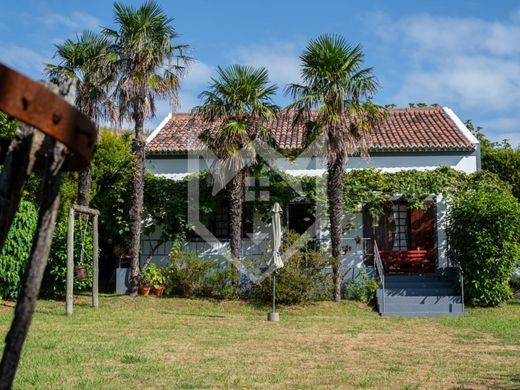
(276, 261)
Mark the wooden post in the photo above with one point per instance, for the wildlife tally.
(95, 260)
(39, 254)
(70, 264)
(35, 268)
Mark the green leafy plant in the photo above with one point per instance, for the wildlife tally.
(303, 277)
(152, 276)
(362, 288)
(16, 250)
(484, 237)
(190, 276)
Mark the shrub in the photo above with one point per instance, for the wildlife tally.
(484, 237)
(16, 250)
(303, 277)
(362, 288)
(190, 276)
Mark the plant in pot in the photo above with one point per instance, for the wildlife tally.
(158, 280)
(146, 280)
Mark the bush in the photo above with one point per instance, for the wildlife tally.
(16, 250)
(362, 288)
(190, 276)
(484, 237)
(303, 277)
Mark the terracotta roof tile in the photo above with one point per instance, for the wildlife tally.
(405, 129)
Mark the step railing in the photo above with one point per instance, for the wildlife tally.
(461, 281)
(380, 273)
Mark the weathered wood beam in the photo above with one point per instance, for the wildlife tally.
(41, 245)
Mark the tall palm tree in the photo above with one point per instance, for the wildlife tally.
(89, 60)
(149, 67)
(237, 107)
(334, 100)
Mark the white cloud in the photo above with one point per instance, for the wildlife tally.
(467, 62)
(78, 21)
(23, 59)
(199, 73)
(515, 17)
(281, 59)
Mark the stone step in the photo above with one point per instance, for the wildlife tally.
(422, 299)
(397, 307)
(418, 284)
(414, 291)
(421, 314)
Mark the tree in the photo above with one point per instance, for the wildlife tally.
(240, 101)
(149, 67)
(90, 61)
(499, 157)
(340, 89)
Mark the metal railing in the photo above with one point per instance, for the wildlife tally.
(380, 272)
(461, 281)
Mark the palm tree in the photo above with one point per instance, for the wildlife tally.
(237, 107)
(149, 67)
(89, 60)
(334, 100)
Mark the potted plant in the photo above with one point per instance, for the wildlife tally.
(158, 281)
(146, 280)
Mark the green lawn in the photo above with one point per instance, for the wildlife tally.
(151, 343)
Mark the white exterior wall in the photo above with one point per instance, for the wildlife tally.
(178, 168)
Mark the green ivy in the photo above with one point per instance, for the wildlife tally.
(16, 250)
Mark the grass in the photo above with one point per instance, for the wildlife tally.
(152, 343)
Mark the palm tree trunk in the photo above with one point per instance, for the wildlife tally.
(236, 204)
(335, 197)
(136, 209)
(84, 186)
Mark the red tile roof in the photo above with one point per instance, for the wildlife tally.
(405, 129)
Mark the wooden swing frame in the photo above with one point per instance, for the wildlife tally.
(82, 210)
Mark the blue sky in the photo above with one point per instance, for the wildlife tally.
(463, 54)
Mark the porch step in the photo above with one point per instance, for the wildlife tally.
(399, 307)
(419, 296)
(423, 299)
(415, 291)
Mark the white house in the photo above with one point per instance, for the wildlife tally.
(410, 138)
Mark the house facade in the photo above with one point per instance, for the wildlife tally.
(408, 240)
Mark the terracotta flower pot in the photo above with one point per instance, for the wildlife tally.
(81, 273)
(144, 290)
(158, 291)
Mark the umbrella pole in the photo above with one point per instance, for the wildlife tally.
(273, 316)
(274, 292)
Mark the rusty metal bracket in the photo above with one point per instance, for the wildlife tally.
(34, 104)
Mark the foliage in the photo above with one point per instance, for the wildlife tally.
(16, 250)
(484, 236)
(58, 258)
(303, 277)
(190, 276)
(111, 171)
(152, 276)
(7, 126)
(111, 187)
(500, 158)
(166, 201)
(362, 288)
(89, 60)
